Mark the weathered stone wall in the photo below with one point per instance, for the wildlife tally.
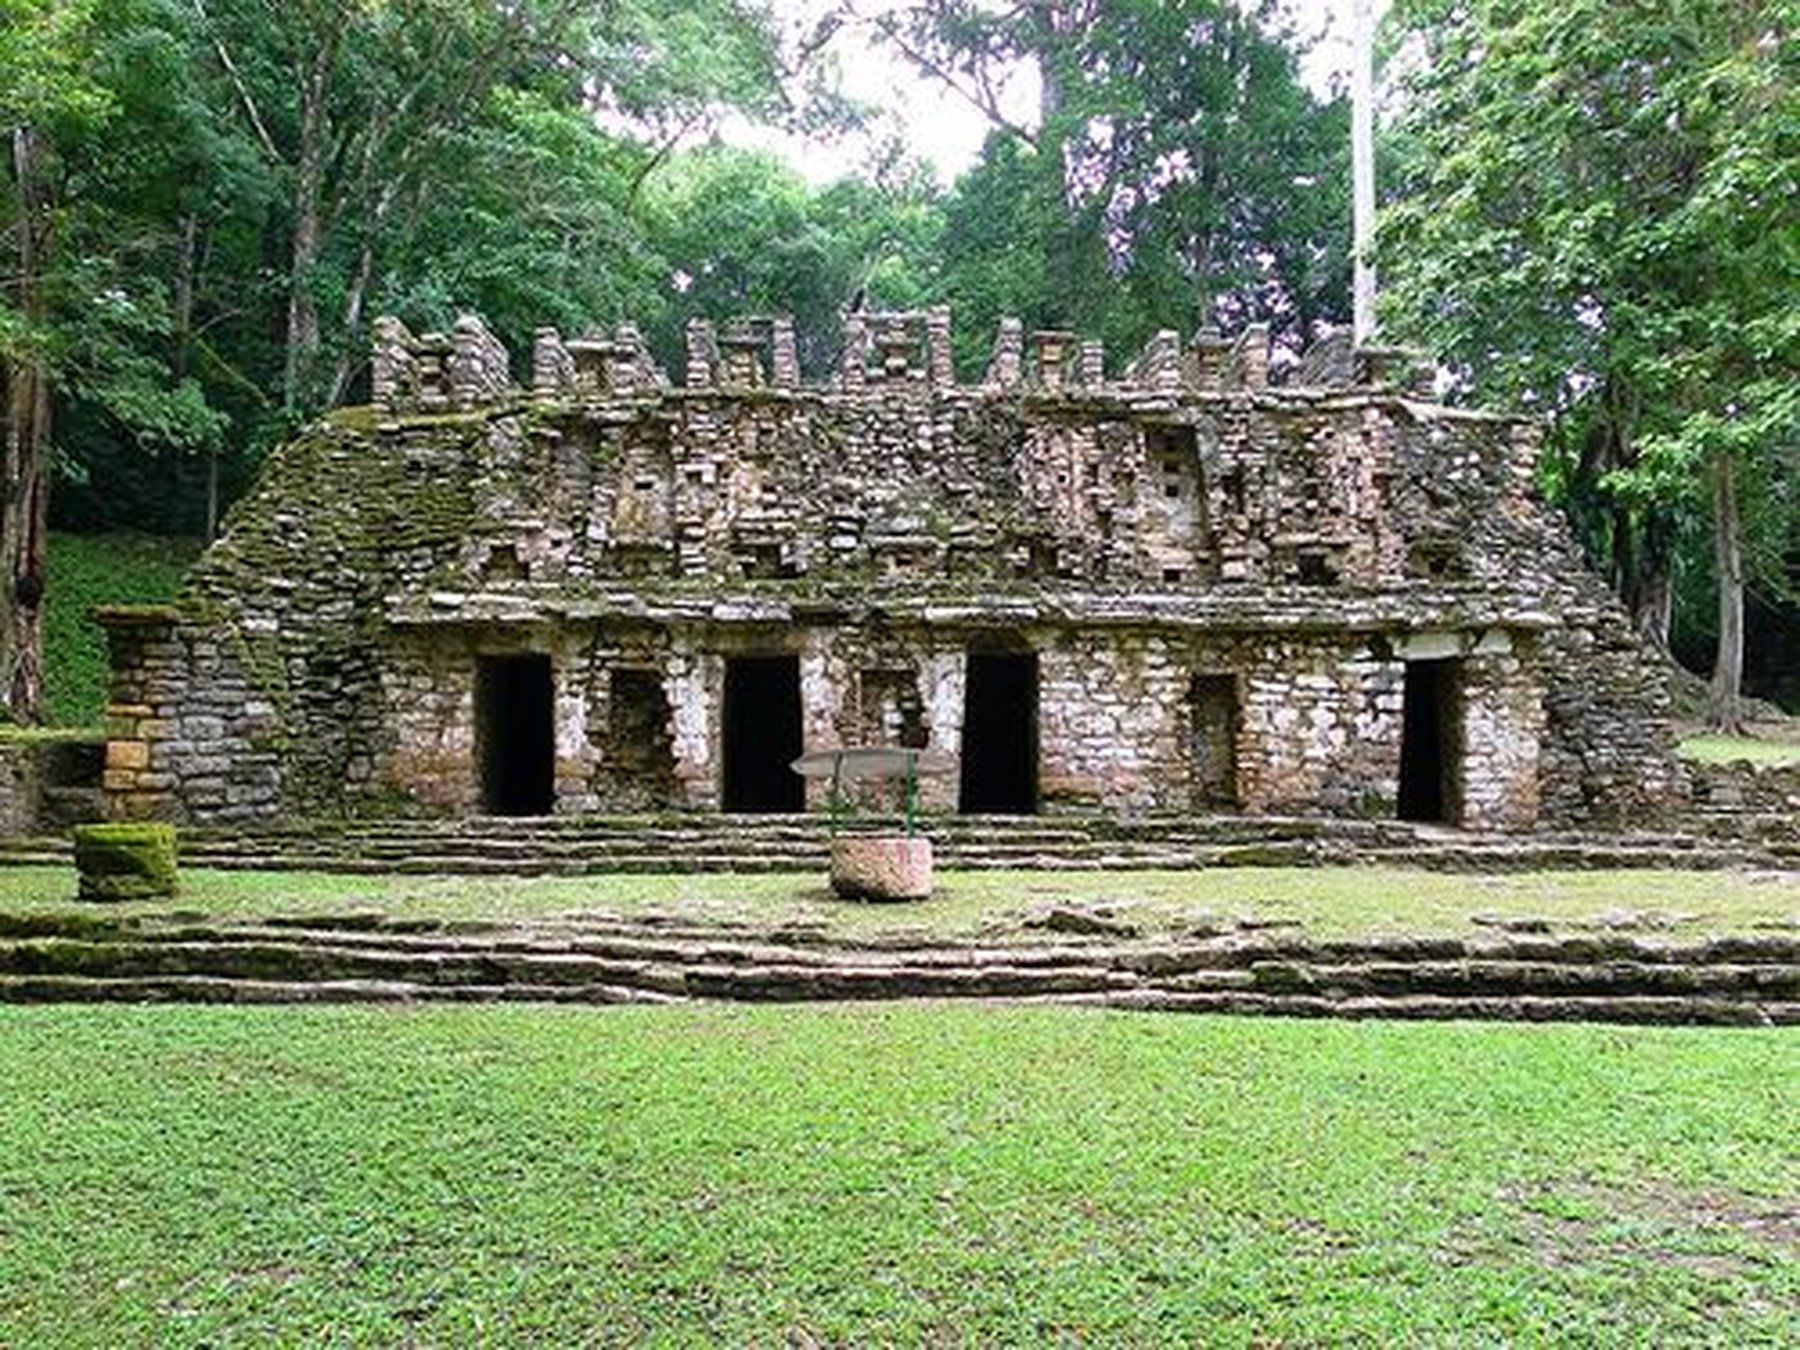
(1291, 548)
(1751, 789)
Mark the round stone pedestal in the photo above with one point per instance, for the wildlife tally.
(881, 867)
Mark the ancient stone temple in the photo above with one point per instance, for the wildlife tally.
(1171, 587)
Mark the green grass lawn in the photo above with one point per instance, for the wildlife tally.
(1709, 749)
(1325, 901)
(922, 1174)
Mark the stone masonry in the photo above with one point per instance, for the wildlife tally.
(1179, 588)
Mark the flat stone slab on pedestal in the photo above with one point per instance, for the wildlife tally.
(881, 867)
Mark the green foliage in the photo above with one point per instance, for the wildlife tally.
(893, 1175)
(1592, 217)
(90, 570)
(1739, 749)
(1178, 174)
(742, 233)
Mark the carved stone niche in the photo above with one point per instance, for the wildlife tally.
(1052, 350)
(897, 351)
(741, 357)
(593, 365)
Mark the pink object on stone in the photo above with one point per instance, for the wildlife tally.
(881, 867)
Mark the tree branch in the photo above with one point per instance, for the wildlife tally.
(237, 83)
(982, 98)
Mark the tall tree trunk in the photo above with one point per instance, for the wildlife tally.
(1724, 710)
(1049, 21)
(187, 269)
(181, 299)
(358, 296)
(309, 206)
(24, 471)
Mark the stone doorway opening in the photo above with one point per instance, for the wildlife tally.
(762, 735)
(1431, 743)
(1213, 710)
(1000, 735)
(515, 735)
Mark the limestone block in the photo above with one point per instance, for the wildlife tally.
(127, 755)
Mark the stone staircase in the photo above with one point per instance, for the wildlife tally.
(713, 843)
(1751, 980)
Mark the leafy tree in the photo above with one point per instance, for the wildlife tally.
(1178, 174)
(80, 319)
(45, 86)
(742, 233)
(541, 229)
(1593, 219)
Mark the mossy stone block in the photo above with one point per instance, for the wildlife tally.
(125, 861)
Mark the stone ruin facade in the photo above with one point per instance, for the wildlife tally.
(1176, 588)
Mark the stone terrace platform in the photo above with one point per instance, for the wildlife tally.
(1219, 967)
(559, 845)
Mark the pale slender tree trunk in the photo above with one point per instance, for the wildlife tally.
(187, 270)
(309, 192)
(1724, 710)
(24, 471)
(358, 297)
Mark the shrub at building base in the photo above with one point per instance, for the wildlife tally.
(125, 861)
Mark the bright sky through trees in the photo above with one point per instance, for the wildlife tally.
(942, 129)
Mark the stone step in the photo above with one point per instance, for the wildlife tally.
(1748, 979)
(1653, 1010)
(212, 989)
(1665, 1010)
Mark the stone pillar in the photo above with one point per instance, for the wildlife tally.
(702, 354)
(824, 685)
(1208, 360)
(784, 354)
(851, 372)
(576, 760)
(941, 366)
(552, 368)
(1503, 728)
(1159, 368)
(625, 373)
(1524, 443)
(694, 684)
(390, 363)
(1051, 349)
(1252, 354)
(943, 682)
(149, 661)
(1006, 370)
(1093, 366)
(480, 368)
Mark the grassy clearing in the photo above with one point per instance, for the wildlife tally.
(1326, 901)
(1731, 749)
(921, 1174)
(89, 570)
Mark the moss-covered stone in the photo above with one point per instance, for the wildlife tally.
(125, 861)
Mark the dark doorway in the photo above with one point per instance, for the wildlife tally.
(1213, 706)
(762, 734)
(1430, 743)
(999, 738)
(515, 735)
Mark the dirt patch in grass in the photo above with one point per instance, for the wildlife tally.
(1577, 1224)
